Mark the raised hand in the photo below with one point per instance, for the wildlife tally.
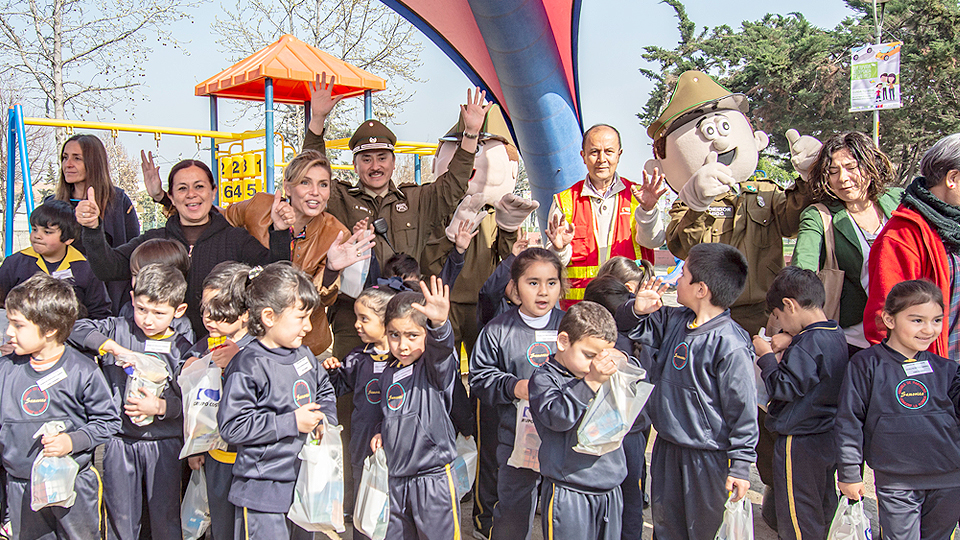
(649, 296)
(151, 176)
(322, 101)
(512, 210)
(803, 152)
(559, 232)
(437, 301)
(475, 111)
(649, 191)
(469, 210)
(522, 243)
(465, 233)
(361, 225)
(87, 212)
(343, 253)
(283, 215)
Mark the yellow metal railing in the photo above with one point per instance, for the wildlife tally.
(157, 131)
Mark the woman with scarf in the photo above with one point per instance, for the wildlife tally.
(851, 178)
(922, 241)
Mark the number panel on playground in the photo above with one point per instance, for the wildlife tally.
(241, 177)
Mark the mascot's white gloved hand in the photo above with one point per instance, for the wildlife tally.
(709, 182)
(803, 152)
(469, 210)
(512, 210)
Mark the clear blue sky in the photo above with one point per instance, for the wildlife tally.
(612, 35)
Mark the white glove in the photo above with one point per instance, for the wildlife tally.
(469, 210)
(803, 152)
(709, 182)
(512, 210)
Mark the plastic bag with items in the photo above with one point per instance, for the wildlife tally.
(737, 521)
(614, 409)
(202, 386)
(195, 510)
(850, 522)
(318, 494)
(52, 479)
(371, 514)
(465, 466)
(147, 372)
(526, 442)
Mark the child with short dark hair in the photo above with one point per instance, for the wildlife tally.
(160, 251)
(804, 388)
(274, 395)
(54, 230)
(704, 403)
(45, 380)
(898, 409)
(580, 492)
(416, 432)
(143, 460)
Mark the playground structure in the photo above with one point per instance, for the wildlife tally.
(278, 73)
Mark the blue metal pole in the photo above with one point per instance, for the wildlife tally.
(367, 105)
(24, 162)
(416, 168)
(268, 150)
(214, 166)
(11, 193)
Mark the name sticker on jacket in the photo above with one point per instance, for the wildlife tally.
(64, 275)
(378, 367)
(912, 369)
(51, 379)
(403, 373)
(545, 335)
(154, 346)
(302, 365)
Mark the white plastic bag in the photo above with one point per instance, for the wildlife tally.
(613, 410)
(526, 442)
(201, 386)
(763, 398)
(195, 510)
(147, 373)
(371, 514)
(465, 466)
(850, 522)
(318, 495)
(737, 521)
(52, 479)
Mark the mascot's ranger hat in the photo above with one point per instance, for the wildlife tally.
(494, 128)
(372, 135)
(696, 93)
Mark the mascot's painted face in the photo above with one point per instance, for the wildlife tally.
(724, 133)
(494, 174)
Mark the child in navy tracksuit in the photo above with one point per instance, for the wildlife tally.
(51, 251)
(44, 380)
(581, 495)
(704, 405)
(898, 409)
(224, 311)
(804, 387)
(507, 352)
(143, 460)
(274, 395)
(416, 432)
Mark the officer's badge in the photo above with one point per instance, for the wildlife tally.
(760, 202)
(401, 207)
(373, 139)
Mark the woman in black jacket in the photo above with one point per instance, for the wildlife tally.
(205, 233)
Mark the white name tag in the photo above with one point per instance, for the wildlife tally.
(913, 369)
(51, 379)
(378, 367)
(545, 335)
(303, 365)
(63, 274)
(403, 373)
(154, 346)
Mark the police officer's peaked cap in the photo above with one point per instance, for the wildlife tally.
(696, 93)
(372, 135)
(494, 128)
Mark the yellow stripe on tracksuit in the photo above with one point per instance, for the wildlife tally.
(453, 502)
(790, 496)
(101, 508)
(553, 496)
(246, 527)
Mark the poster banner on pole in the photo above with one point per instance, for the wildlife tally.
(875, 77)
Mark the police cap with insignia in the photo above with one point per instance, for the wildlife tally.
(372, 135)
(696, 93)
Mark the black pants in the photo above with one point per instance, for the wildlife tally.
(688, 491)
(81, 521)
(633, 486)
(485, 489)
(804, 468)
(568, 513)
(918, 514)
(517, 499)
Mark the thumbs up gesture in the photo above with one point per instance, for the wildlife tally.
(88, 213)
(711, 180)
(282, 213)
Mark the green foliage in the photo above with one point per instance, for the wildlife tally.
(798, 75)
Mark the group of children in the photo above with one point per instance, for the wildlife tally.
(894, 405)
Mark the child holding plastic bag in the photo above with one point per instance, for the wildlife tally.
(898, 409)
(44, 380)
(138, 353)
(417, 434)
(508, 350)
(275, 393)
(224, 310)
